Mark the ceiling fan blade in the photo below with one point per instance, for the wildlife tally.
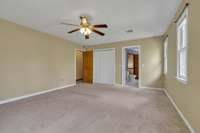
(101, 26)
(87, 37)
(63, 23)
(98, 32)
(74, 30)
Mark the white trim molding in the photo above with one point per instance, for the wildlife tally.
(118, 85)
(123, 64)
(35, 94)
(75, 50)
(171, 100)
(152, 88)
(182, 47)
(142, 87)
(179, 112)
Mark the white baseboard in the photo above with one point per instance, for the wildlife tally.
(118, 85)
(180, 113)
(173, 103)
(143, 87)
(34, 94)
(122, 86)
(151, 88)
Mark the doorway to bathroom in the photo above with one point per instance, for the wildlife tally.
(131, 66)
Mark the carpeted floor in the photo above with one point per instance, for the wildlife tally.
(92, 109)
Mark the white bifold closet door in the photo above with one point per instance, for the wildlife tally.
(104, 66)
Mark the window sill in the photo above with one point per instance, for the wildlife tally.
(184, 81)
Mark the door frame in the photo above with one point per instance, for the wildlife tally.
(76, 49)
(123, 65)
(104, 49)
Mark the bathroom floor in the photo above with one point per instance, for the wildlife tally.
(132, 82)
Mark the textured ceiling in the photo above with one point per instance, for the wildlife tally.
(147, 18)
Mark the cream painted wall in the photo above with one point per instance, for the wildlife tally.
(79, 65)
(31, 61)
(186, 96)
(151, 56)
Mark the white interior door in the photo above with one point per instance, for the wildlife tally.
(104, 66)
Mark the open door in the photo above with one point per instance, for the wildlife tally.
(88, 66)
(136, 66)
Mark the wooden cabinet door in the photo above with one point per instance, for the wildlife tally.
(88, 66)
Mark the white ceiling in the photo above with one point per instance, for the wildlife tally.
(146, 17)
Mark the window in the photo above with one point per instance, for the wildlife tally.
(165, 55)
(182, 46)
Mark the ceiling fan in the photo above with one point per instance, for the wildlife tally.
(86, 28)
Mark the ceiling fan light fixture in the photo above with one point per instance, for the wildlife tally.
(85, 30)
(88, 31)
(82, 30)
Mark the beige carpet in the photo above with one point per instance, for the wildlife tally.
(92, 109)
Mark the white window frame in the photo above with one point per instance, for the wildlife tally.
(182, 45)
(165, 54)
